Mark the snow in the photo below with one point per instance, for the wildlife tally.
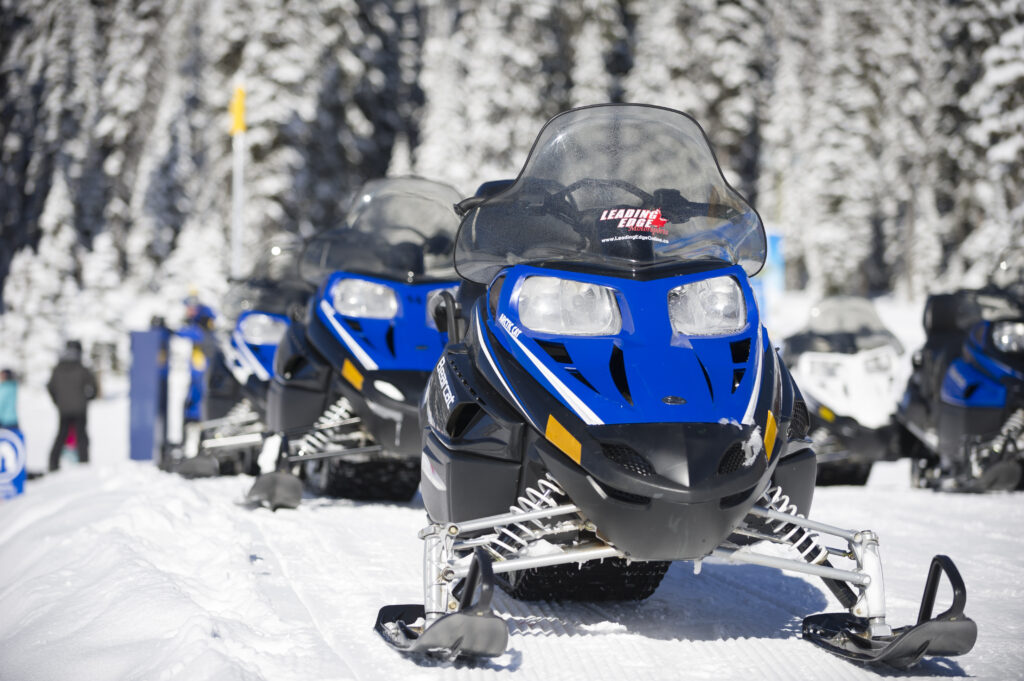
(116, 570)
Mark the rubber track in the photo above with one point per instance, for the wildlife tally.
(612, 579)
(384, 480)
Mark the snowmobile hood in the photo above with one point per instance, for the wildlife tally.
(645, 371)
(404, 339)
(618, 186)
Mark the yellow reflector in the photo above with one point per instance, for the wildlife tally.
(561, 438)
(770, 430)
(198, 360)
(826, 413)
(352, 375)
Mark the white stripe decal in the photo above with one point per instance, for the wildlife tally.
(748, 417)
(494, 367)
(357, 350)
(575, 403)
(251, 359)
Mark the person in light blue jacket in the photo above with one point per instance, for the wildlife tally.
(8, 399)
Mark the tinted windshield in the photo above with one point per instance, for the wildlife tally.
(625, 185)
(846, 324)
(273, 285)
(845, 315)
(398, 228)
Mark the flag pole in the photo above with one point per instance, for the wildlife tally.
(237, 110)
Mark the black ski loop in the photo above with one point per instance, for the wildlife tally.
(480, 572)
(943, 564)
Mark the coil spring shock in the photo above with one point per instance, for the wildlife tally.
(804, 541)
(516, 536)
(315, 440)
(240, 411)
(1010, 433)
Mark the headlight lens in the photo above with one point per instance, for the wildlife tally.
(1008, 336)
(568, 308)
(365, 299)
(262, 329)
(710, 307)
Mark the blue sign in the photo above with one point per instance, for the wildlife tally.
(12, 463)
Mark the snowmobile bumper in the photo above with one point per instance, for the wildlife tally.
(472, 631)
(947, 634)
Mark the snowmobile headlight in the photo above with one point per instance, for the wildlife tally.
(710, 307)
(568, 308)
(366, 299)
(1008, 336)
(262, 329)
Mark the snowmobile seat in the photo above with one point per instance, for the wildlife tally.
(947, 318)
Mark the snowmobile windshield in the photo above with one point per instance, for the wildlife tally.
(625, 186)
(273, 283)
(396, 228)
(849, 324)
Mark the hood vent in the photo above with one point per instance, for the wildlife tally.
(628, 458)
(617, 365)
(740, 351)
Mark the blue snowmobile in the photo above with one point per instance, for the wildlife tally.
(344, 398)
(609, 402)
(260, 309)
(963, 409)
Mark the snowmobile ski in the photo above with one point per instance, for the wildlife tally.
(950, 633)
(471, 631)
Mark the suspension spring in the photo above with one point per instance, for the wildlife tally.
(1010, 433)
(316, 439)
(241, 411)
(512, 538)
(802, 539)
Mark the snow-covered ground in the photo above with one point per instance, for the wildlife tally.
(119, 571)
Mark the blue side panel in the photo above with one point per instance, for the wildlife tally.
(12, 463)
(965, 386)
(144, 392)
(407, 342)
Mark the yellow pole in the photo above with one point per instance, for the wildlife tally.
(237, 111)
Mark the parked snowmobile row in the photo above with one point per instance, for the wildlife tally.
(260, 309)
(344, 399)
(572, 369)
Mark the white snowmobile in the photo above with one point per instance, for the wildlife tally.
(850, 369)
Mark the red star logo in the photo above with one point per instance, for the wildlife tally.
(657, 221)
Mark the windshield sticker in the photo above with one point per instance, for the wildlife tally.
(637, 220)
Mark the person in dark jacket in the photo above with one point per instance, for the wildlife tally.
(71, 386)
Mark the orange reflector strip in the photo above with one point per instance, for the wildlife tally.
(557, 435)
(352, 375)
(770, 430)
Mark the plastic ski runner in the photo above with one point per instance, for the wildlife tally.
(472, 631)
(950, 633)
